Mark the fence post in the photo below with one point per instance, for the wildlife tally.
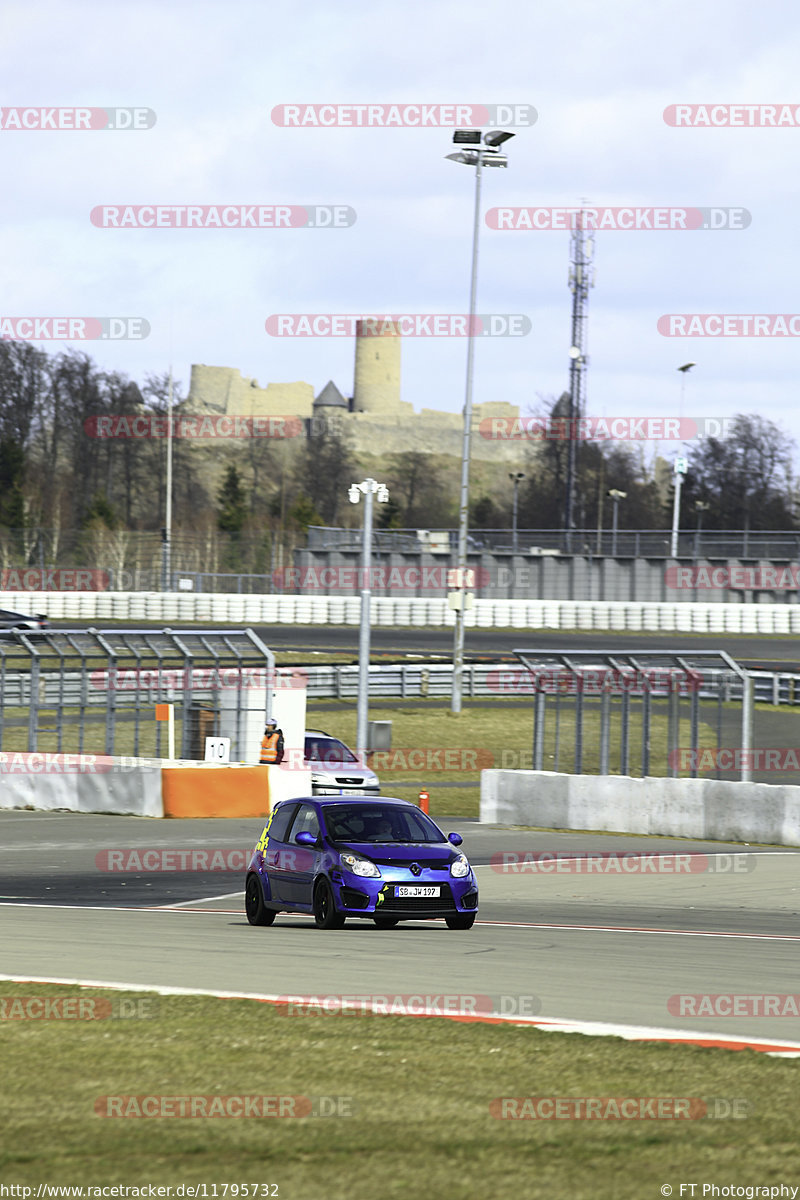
(538, 730)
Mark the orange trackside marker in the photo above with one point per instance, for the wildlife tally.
(423, 801)
(162, 712)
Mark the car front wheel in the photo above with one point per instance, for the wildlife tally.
(325, 913)
(461, 921)
(386, 922)
(254, 906)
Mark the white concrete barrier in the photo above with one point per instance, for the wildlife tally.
(81, 783)
(135, 787)
(133, 607)
(713, 809)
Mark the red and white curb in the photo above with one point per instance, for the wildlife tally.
(631, 1033)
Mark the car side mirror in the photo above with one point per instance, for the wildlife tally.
(455, 838)
(305, 839)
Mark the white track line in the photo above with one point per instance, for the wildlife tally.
(782, 1049)
(216, 912)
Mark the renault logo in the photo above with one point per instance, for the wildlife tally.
(416, 869)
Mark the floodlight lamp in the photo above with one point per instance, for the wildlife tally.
(496, 137)
(574, 352)
(470, 157)
(383, 493)
(354, 493)
(467, 137)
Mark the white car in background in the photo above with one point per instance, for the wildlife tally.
(335, 769)
(15, 620)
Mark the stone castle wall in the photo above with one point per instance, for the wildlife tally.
(387, 425)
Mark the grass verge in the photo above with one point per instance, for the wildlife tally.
(421, 1091)
(430, 748)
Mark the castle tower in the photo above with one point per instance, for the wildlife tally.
(376, 386)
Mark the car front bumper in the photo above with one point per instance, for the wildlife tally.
(356, 896)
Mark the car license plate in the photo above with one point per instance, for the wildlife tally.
(415, 890)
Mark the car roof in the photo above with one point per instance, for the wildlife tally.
(354, 799)
(320, 733)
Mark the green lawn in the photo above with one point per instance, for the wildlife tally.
(498, 734)
(420, 1091)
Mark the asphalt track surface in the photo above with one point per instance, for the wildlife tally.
(595, 946)
(578, 945)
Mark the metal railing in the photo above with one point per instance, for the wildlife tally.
(336, 682)
(630, 543)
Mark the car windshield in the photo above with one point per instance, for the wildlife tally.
(328, 750)
(379, 823)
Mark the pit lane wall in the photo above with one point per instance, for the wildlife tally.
(712, 809)
(144, 787)
(171, 608)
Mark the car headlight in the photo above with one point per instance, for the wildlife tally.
(360, 866)
(315, 778)
(459, 867)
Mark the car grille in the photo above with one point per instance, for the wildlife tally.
(427, 864)
(349, 780)
(422, 904)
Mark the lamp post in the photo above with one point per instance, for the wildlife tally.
(516, 478)
(679, 469)
(473, 154)
(368, 489)
(700, 507)
(166, 533)
(684, 370)
(616, 496)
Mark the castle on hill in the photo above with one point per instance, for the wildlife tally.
(378, 421)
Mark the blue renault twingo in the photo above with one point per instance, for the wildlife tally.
(358, 856)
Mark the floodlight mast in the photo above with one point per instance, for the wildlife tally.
(369, 488)
(479, 157)
(581, 278)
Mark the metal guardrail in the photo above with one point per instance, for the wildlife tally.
(336, 682)
(627, 543)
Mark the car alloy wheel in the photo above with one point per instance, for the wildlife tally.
(254, 906)
(461, 921)
(325, 913)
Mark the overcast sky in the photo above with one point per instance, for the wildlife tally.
(599, 77)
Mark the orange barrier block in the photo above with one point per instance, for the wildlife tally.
(215, 791)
